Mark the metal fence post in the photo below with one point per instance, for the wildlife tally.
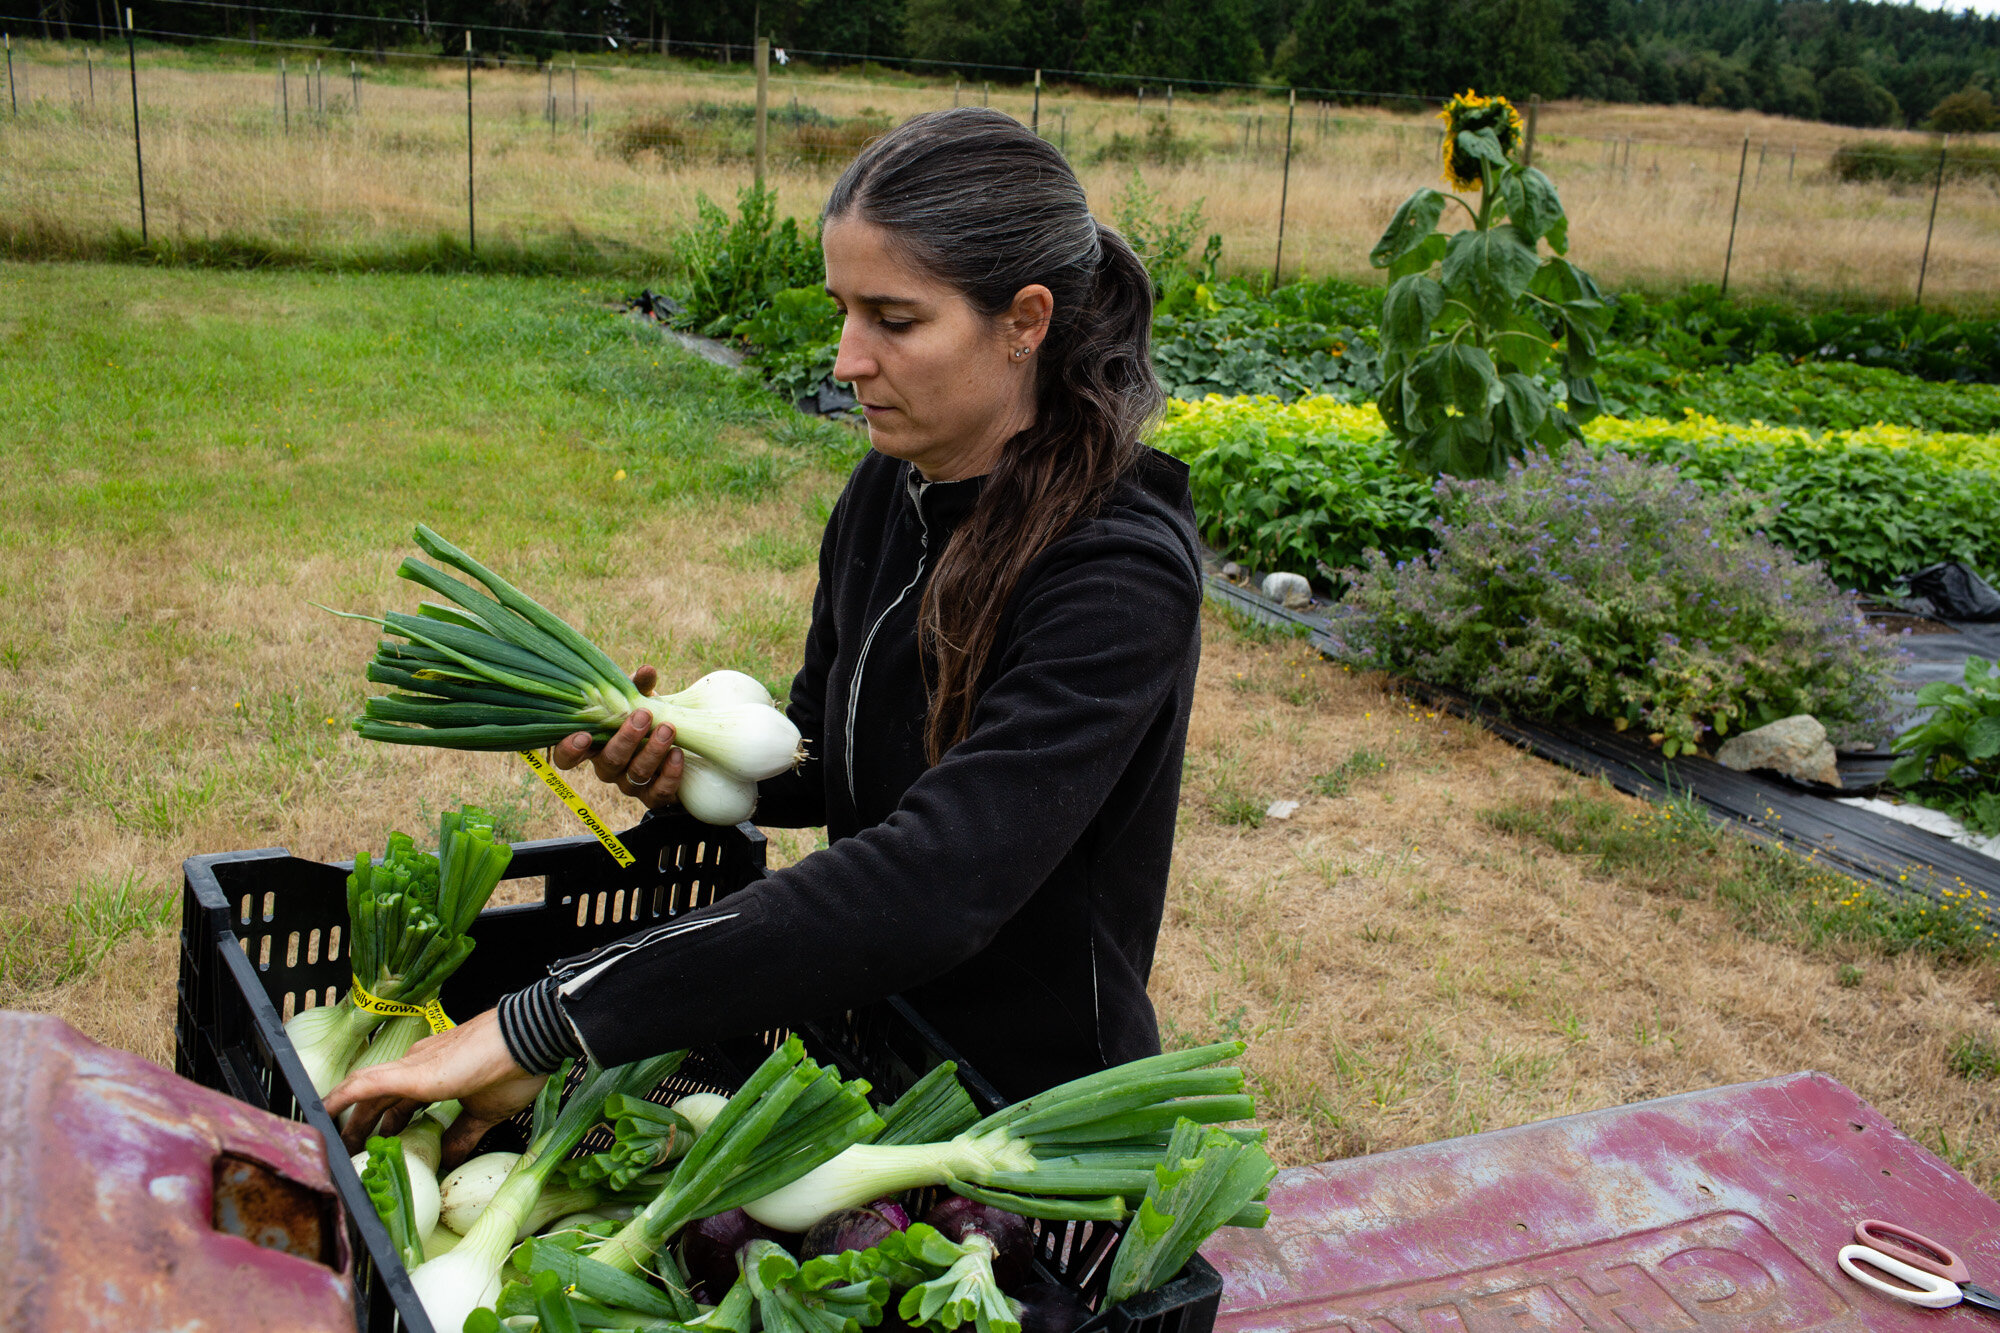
(1035, 117)
(1730, 254)
(285, 93)
(12, 101)
(1534, 114)
(354, 77)
(471, 215)
(1937, 185)
(763, 100)
(138, 153)
(90, 75)
(1285, 189)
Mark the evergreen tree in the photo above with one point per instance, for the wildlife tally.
(1849, 97)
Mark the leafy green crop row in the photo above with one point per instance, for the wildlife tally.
(1704, 328)
(1240, 336)
(1824, 395)
(1311, 485)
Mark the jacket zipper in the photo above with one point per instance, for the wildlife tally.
(861, 661)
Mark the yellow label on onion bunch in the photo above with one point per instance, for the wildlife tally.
(585, 815)
(431, 1010)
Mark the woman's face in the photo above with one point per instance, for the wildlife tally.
(940, 383)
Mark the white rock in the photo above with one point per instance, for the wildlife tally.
(1291, 590)
(1280, 809)
(1795, 746)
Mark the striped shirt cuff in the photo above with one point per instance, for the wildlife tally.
(538, 1033)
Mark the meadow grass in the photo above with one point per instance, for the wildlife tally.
(383, 185)
(1446, 935)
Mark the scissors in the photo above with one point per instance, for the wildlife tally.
(1939, 1277)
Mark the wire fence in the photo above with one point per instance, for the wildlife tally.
(296, 150)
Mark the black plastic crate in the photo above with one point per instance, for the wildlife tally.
(260, 939)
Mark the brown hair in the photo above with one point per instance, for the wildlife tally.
(980, 203)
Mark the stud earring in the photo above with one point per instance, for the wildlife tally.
(1020, 352)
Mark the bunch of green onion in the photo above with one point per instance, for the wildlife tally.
(495, 670)
(407, 918)
(1084, 1150)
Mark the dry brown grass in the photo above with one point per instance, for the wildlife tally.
(1653, 211)
(1404, 972)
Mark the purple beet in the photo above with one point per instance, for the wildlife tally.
(1013, 1236)
(854, 1229)
(1047, 1307)
(708, 1248)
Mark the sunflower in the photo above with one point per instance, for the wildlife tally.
(1471, 112)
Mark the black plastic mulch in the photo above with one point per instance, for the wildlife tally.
(1859, 842)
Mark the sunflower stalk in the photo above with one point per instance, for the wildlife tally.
(1473, 319)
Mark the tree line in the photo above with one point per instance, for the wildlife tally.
(1855, 62)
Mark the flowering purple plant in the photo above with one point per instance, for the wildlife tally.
(1605, 587)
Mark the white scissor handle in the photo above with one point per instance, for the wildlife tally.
(1933, 1292)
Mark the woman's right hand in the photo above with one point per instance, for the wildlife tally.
(640, 759)
(469, 1062)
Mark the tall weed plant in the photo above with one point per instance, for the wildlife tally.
(731, 269)
(1604, 587)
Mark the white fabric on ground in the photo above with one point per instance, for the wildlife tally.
(1930, 821)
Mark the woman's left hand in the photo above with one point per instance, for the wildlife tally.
(640, 759)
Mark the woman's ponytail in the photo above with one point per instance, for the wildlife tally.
(987, 207)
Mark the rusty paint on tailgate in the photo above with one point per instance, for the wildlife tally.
(1710, 1212)
(133, 1199)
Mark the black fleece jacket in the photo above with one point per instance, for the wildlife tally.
(1013, 891)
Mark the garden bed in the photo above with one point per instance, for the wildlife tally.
(1859, 842)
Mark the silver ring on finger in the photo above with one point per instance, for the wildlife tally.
(639, 784)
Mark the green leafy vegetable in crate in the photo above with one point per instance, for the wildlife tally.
(452, 1286)
(970, 1264)
(788, 1118)
(1208, 1177)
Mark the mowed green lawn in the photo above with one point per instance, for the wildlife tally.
(190, 459)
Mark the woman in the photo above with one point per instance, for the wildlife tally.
(997, 678)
